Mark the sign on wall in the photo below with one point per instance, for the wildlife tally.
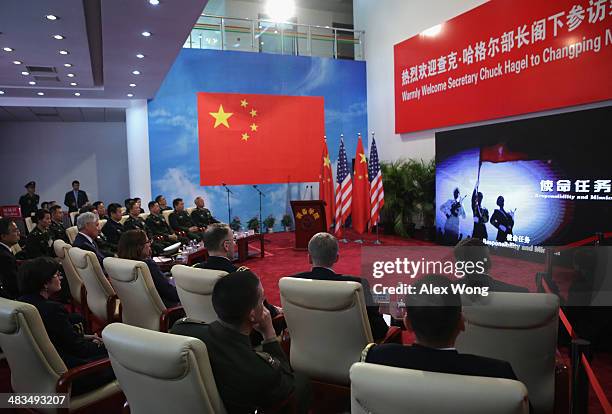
(503, 58)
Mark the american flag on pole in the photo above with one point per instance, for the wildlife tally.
(377, 193)
(344, 188)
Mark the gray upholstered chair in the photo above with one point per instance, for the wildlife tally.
(194, 287)
(328, 324)
(180, 379)
(390, 390)
(35, 365)
(520, 328)
(72, 232)
(141, 304)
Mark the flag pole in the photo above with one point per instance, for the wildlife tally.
(342, 226)
(359, 240)
(377, 241)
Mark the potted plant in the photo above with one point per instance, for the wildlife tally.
(269, 223)
(287, 222)
(235, 224)
(253, 224)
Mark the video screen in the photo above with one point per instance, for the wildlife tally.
(537, 182)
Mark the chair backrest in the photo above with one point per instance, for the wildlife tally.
(390, 390)
(166, 214)
(189, 210)
(180, 380)
(520, 328)
(73, 215)
(99, 290)
(194, 287)
(144, 216)
(101, 223)
(16, 248)
(29, 224)
(141, 304)
(34, 362)
(74, 280)
(328, 325)
(123, 219)
(72, 232)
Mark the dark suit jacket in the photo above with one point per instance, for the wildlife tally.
(82, 243)
(70, 202)
(500, 218)
(167, 292)
(493, 284)
(8, 274)
(377, 323)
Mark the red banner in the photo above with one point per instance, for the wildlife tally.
(259, 139)
(10, 211)
(503, 58)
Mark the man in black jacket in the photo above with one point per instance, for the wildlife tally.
(9, 236)
(29, 201)
(39, 242)
(76, 198)
(57, 229)
(201, 216)
(323, 254)
(113, 228)
(181, 221)
(87, 223)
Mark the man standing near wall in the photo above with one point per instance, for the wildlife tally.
(29, 201)
(76, 198)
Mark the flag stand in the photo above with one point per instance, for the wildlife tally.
(377, 241)
(343, 239)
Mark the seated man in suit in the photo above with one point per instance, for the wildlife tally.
(113, 228)
(57, 229)
(323, 254)
(180, 221)
(39, 242)
(436, 320)
(163, 204)
(76, 198)
(87, 224)
(474, 250)
(9, 236)
(200, 215)
(247, 380)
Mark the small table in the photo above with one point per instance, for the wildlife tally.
(189, 259)
(243, 245)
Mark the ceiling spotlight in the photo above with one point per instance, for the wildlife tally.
(135, 72)
(70, 75)
(280, 10)
(73, 84)
(67, 65)
(32, 83)
(40, 93)
(130, 95)
(51, 17)
(77, 94)
(24, 73)
(146, 34)
(58, 37)
(140, 56)
(132, 85)
(8, 49)
(154, 2)
(1, 92)
(16, 62)
(63, 52)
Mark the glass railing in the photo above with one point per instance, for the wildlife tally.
(248, 35)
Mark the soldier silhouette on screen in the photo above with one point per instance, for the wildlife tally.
(502, 220)
(481, 215)
(452, 209)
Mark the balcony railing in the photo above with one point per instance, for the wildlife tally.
(287, 38)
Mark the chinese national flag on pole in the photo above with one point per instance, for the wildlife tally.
(361, 191)
(259, 139)
(501, 153)
(326, 186)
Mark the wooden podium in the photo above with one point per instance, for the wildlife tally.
(309, 216)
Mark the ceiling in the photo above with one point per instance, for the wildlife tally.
(60, 114)
(102, 38)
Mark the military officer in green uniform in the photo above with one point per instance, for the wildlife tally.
(56, 228)
(201, 216)
(134, 222)
(113, 228)
(180, 221)
(163, 204)
(39, 242)
(247, 379)
(159, 227)
(29, 201)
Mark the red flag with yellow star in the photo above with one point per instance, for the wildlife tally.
(361, 191)
(259, 139)
(326, 186)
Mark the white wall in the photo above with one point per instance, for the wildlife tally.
(55, 153)
(250, 10)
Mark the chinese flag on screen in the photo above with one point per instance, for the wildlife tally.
(259, 139)
(501, 153)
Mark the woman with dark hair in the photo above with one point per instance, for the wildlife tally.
(39, 281)
(135, 245)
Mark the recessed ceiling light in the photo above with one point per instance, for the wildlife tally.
(136, 72)
(1, 92)
(8, 49)
(40, 93)
(146, 34)
(16, 62)
(70, 75)
(140, 56)
(73, 84)
(132, 85)
(32, 83)
(63, 52)
(154, 2)
(51, 17)
(67, 65)
(130, 95)
(24, 73)
(77, 94)
(58, 37)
